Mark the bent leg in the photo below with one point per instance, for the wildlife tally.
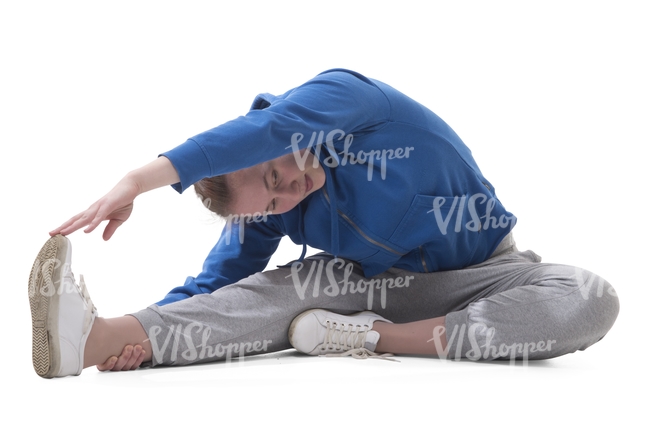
(551, 311)
(509, 307)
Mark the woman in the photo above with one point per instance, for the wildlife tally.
(410, 228)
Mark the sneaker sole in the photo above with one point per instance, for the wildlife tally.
(44, 304)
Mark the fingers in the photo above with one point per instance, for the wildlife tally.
(117, 205)
(110, 362)
(64, 228)
(89, 217)
(135, 355)
(130, 359)
(110, 229)
(124, 359)
(94, 216)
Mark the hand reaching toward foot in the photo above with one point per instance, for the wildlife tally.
(116, 206)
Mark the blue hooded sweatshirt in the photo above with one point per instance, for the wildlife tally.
(401, 190)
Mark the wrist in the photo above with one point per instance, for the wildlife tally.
(158, 173)
(133, 181)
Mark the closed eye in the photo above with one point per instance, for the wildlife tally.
(274, 183)
(274, 180)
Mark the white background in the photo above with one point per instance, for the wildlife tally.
(551, 97)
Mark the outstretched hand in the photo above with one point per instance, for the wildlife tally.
(130, 359)
(117, 205)
(114, 207)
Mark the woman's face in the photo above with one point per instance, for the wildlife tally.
(276, 186)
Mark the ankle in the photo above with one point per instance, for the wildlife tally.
(94, 346)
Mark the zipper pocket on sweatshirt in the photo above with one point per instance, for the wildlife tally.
(424, 260)
(363, 234)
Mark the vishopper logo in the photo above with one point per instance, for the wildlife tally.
(192, 343)
(205, 201)
(481, 338)
(240, 221)
(370, 157)
(237, 220)
(344, 286)
(42, 282)
(460, 205)
(592, 285)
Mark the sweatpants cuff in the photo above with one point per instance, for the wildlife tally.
(457, 341)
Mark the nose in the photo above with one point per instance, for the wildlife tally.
(289, 190)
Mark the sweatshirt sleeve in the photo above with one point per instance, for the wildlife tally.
(334, 100)
(242, 250)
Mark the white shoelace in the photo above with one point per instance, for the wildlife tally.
(84, 293)
(349, 340)
(363, 353)
(74, 286)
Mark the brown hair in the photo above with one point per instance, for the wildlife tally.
(215, 194)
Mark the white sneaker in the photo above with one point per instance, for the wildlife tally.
(62, 312)
(321, 332)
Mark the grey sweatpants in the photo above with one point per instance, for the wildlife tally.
(508, 307)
